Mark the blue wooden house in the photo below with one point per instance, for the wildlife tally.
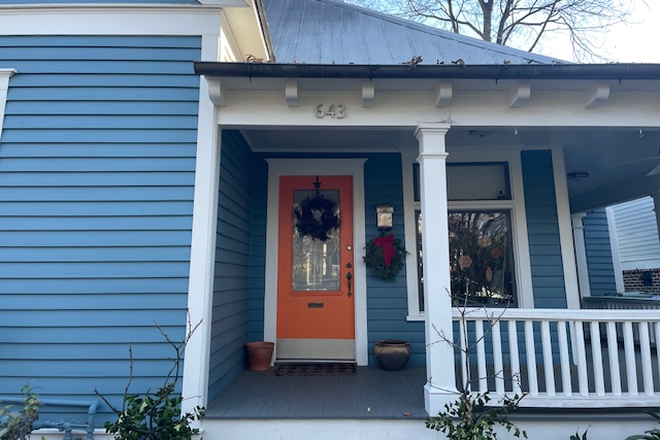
(153, 157)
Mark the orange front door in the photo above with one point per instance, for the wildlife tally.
(315, 295)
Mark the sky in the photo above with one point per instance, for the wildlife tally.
(633, 43)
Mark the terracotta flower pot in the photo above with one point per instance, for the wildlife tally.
(259, 355)
(392, 354)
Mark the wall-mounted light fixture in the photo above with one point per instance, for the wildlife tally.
(384, 213)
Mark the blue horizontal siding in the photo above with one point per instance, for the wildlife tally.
(543, 229)
(387, 308)
(233, 257)
(97, 163)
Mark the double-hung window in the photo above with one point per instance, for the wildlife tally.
(482, 236)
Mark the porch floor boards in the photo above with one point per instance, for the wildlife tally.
(371, 393)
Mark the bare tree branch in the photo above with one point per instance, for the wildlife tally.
(524, 24)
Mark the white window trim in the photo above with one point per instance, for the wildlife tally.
(5, 74)
(283, 167)
(516, 207)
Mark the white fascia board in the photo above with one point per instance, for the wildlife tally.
(104, 19)
(5, 74)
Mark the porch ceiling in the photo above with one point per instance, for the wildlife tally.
(617, 160)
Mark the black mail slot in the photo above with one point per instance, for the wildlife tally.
(314, 305)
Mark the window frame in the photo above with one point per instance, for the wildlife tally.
(515, 205)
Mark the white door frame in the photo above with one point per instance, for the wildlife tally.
(320, 167)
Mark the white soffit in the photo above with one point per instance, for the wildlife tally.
(245, 26)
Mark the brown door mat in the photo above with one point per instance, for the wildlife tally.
(314, 369)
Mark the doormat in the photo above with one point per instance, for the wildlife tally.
(314, 369)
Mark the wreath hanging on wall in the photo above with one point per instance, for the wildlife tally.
(385, 256)
(316, 217)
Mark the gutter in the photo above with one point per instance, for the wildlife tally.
(618, 72)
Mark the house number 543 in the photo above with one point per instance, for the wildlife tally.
(334, 111)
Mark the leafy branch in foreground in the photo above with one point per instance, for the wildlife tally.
(651, 434)
(470, 417)
(155, 415)
(17, 425)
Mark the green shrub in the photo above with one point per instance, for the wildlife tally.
(17, 425)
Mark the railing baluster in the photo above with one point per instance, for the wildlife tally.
(597, 355)
(462, 328)
(481, 356)
(631, 365)
(515, 358)
(583, 377)
(565, 361)
(613, 352)
(548, 365)
(580, 336)
(531, 359)
(647, 366)
(497, 357)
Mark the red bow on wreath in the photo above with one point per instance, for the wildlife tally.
(387, 245)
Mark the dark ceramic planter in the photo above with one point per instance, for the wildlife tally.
(392, 354)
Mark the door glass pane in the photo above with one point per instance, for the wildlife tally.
(315, 261)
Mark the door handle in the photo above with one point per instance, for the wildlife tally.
(349, 278)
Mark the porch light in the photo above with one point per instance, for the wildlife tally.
(384, 215)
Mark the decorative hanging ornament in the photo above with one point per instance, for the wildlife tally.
(316, 216)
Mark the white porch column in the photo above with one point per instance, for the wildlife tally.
(440, 387)
(581, 253)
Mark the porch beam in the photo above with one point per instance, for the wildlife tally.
(440, 387)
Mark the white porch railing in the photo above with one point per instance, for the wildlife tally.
(559, 357)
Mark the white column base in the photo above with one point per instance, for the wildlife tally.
(436, 398)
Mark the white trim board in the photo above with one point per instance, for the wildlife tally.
(283, 167)
(5, 74)
(110, 20)
(202, 246)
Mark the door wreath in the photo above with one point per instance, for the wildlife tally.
(385, 256)
(316, 217)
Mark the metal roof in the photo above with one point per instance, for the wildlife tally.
(330, 32)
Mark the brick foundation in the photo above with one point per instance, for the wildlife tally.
(641, 280)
